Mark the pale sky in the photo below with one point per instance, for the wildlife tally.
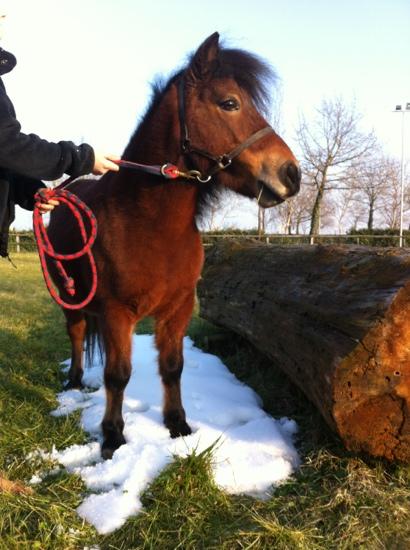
(84, 66)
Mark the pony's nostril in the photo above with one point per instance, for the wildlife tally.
(293, 175)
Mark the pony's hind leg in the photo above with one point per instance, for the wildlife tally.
(170, 332)
(117, 327)
(76, 328)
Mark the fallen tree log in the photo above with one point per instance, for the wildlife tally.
(335, 319)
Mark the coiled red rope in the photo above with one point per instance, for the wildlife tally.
(80, 211)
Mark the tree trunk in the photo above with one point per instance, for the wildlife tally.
(335, 319)
(261, 221)
(371, 215)
(315, 221)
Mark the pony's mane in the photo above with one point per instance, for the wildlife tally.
(251, 73)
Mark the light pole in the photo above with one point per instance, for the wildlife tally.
(399, 109)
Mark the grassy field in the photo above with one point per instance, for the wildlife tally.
(336, 500)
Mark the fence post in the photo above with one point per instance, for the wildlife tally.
(17, 243)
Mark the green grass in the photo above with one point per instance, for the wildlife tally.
(336, 500)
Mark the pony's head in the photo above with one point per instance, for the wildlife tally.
(221, 112)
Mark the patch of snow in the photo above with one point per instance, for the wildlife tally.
(35, 480)
(253, 451)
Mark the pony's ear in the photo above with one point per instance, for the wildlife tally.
(205, 60)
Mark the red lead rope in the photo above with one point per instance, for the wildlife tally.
(80, 211)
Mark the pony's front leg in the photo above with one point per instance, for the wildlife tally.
(76, 328)
(117, 328)
(169, 339)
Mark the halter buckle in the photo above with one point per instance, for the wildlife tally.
(223, 162)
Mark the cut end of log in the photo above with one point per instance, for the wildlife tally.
(372, 386)
(375, 428)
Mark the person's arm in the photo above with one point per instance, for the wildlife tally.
(23, 190)
(32, 156)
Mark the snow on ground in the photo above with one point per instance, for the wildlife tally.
(253, 452)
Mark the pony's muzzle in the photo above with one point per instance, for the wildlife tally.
(290, 175)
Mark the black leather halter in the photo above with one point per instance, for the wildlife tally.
(221, 161)
(171, 172)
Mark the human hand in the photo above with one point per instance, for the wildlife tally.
(103, 163)
(47, 206)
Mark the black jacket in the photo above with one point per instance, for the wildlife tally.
(27, 159)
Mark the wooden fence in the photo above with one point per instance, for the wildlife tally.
(24, 242)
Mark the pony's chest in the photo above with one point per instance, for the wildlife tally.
(165, 264)
(158, 283)
(183, 263)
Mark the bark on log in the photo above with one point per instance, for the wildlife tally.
(335, 319)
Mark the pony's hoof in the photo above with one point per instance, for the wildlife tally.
(181, 429)
(70, 385)
(110, 446)
(175, 422)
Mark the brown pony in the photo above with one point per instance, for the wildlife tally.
(148, 251)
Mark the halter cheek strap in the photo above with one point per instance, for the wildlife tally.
(221, 161)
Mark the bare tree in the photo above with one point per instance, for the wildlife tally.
(292, 215)
(391, 199)
(342, 206)
(219, 213)
(370, 180)
(261, 221)
(330, 144)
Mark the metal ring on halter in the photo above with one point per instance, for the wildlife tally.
(195, 175)
(201, 179)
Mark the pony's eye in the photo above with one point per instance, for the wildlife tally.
(230, 104)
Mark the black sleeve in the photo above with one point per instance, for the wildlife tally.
(34, 157)
(23, 190)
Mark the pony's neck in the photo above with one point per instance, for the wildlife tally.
(157, 141)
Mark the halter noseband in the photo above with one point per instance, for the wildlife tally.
(221, 161)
